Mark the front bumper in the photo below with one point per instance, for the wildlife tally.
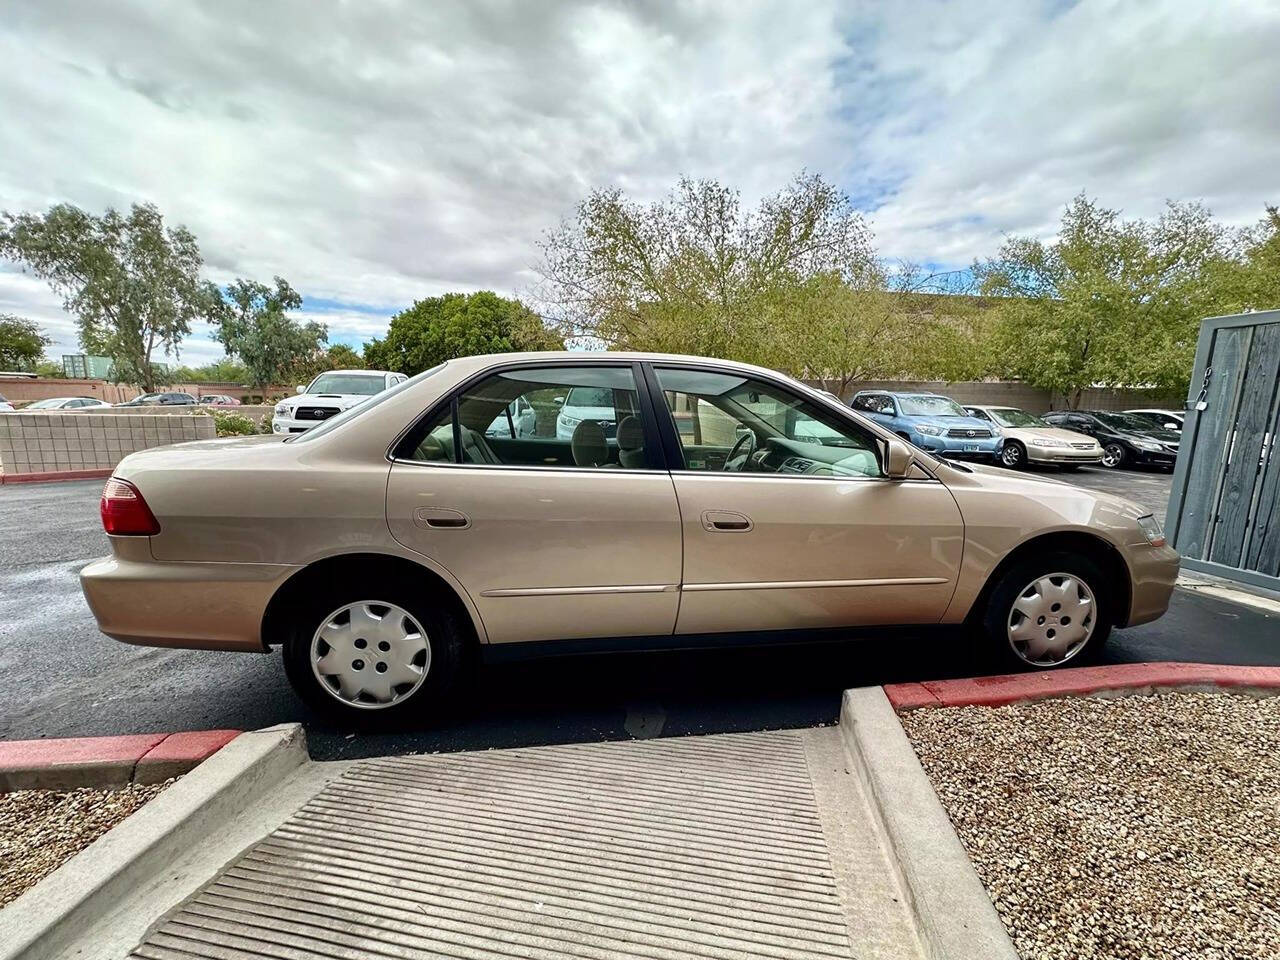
(1152, 458)
(1154, 573)
(203, 606)
(959, 448)
(1062, 455)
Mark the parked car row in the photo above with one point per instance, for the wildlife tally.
(1015, 438)
(166, 399)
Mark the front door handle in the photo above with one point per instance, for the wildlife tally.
(440, 518)
(725, 521)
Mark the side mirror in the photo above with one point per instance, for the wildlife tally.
(897, 459)
(559, 401)
(301, 388)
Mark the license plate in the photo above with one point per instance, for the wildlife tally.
(971, 448)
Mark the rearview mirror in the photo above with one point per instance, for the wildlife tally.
(897, 459)
(301, 388)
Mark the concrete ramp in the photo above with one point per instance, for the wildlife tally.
(719, 847)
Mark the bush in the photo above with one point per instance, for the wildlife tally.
(233, 425)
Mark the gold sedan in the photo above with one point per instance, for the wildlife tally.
(574, 500)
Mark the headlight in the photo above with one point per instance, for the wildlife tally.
(1146, 445)
(569, 421)
(1046, 442)
(928, 429)
(1152, 530)
(281, 410)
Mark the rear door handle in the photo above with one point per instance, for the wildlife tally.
(440, 518)
(725, 521)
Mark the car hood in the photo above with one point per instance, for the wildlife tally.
(1047, 433)
(331, 401)
(990, 496)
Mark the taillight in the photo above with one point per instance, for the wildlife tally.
(124, 512)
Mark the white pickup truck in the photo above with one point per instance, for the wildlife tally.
(330, 393)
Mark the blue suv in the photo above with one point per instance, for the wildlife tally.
(933, 423)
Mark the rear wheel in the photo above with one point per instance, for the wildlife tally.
(1013, 455)
(1114, 456)
(374, 652)
(1048, 612)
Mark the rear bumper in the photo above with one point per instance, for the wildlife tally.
(1154, 573)
(203, 606)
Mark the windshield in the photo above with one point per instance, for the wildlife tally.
(1125, 421)
(589, 397)
(43, 404)
(349, 383)
(360, 409)
(930, 407)
(1016, 418)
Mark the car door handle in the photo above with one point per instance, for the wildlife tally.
(725, 521)
(440, 518)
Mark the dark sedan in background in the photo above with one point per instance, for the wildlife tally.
(1127, 440)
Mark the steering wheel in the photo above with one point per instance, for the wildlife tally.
(747, 440)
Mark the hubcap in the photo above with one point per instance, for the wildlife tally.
(1011, 455)
(1112, 456)
(1052, 619)
(370, 654)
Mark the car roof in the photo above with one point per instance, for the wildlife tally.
(364, 373)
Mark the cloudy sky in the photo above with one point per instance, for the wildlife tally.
(376, 152)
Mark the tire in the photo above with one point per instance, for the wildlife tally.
(1013, 455)
(1017, 641)
(1114, 456)
(445, 648)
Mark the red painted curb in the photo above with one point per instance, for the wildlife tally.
(1077, 681)
(48, 475)
(105, 761)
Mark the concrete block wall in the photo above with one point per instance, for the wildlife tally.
(62, 442)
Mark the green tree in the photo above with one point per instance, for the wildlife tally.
(696, 273)
(1251, 281)
(457, 325)
(253, 325)
(1111, 301)
(225, 370)
(21, 343)
(132, 284)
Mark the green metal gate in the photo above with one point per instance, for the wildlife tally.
(1224, 510)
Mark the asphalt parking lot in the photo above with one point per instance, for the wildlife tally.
(60, 677)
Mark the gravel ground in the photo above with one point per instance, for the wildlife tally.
(42, 829)
(1137, 827)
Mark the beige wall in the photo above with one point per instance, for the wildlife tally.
(47, 442)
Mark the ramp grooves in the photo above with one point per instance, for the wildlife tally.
(700, 847)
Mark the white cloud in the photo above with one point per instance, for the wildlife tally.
(374, 153)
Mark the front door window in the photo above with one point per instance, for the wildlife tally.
(728, 422)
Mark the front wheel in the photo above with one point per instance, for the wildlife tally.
(1048, 612)
(1013, 455)
(1114, 456)
(373, 653)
